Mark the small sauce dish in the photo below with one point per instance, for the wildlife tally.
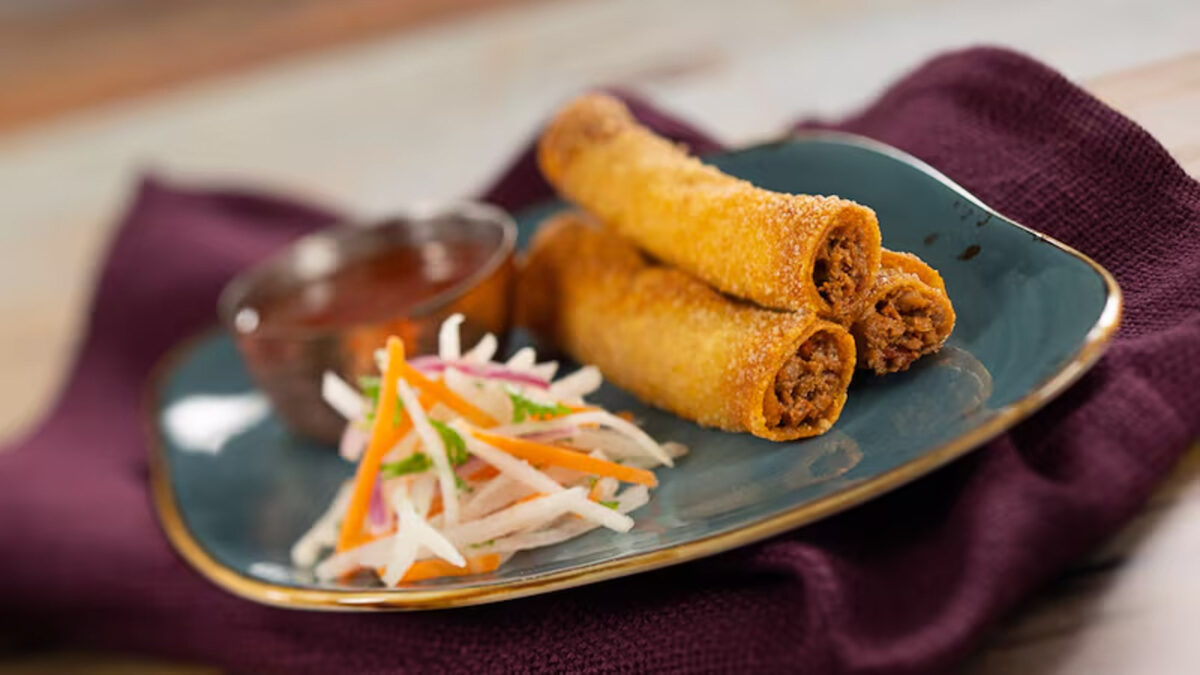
(330, 299)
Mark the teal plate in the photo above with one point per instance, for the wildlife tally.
(234, 489)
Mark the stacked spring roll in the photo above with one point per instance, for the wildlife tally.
(676, 343)
(779, 250)
(825, 294)
(907, 315)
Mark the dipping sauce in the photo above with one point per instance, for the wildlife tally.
(390, 283)
(328, 301)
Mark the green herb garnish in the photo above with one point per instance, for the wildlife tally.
(481, 544)
(463, 485)
(417, 462)
(524, 408)
(456, 447)
(370, 386)
(612, 505)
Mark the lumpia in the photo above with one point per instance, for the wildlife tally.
(676, 343)
(906, 316)
(779, 250)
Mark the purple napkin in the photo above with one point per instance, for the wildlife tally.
(907, 583)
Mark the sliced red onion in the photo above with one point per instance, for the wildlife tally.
(470, 467)
(354, 442)
(377, 514)
(490, 371)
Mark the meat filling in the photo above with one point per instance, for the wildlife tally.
(901, 330)
(840, 268)
(806, 387)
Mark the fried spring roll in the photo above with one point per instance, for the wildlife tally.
(779, 250)
(906, 316)
(676, 343)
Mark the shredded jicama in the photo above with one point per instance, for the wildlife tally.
(480, 460)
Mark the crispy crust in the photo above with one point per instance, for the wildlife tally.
(746, 241)
(664, 335)
(907, 315)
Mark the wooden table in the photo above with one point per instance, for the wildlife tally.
(1129, 608)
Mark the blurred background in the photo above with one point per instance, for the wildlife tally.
(366, 105)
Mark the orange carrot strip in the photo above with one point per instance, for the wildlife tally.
(436, 506)
(529, 498)
(383, 437)
(434, 567)
(569, 459)
(486, 473)
(594, 493)
(441, 392)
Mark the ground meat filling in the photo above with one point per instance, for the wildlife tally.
(840, 268)
(902, 328)
(807, 386)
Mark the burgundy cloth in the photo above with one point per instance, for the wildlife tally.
(905, 584)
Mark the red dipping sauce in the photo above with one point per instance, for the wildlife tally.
(333, 298)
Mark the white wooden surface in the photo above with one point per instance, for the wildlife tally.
(435, 112)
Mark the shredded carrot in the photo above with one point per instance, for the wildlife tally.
(534, 452)
(626, 415)
(594, 493)
(383, 436)
(529, 498)
(486, 473)
(583, 408)
(434, 567)
(435, 506)
(441, 392)
(363, 538)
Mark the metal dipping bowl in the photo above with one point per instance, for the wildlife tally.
(287, 360)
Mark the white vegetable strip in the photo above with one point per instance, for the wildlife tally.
(632, 499)
(449, 346)
(605, 418)
(520, 470)
(484, 350)
(421, 493)
(545, 371)
(353, 443)
(403, 555)
(525, 515)
(578, 384)
(523, 360)
(324, 532)
(342, 397)
(414, 526)
(612, 443)
(403, 448)
(498, 493)
(434, 448)
(370, 555)
(599, 417)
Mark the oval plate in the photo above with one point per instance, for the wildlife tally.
(233, 489)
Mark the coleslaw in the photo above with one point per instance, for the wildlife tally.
(462, 461)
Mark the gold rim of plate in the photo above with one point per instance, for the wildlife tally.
(278, 595)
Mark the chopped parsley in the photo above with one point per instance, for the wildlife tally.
(481, 544)
(524, 408)
(370, 386)
(456, 447)
(417, 462)
(463, 485)
(612, 504)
